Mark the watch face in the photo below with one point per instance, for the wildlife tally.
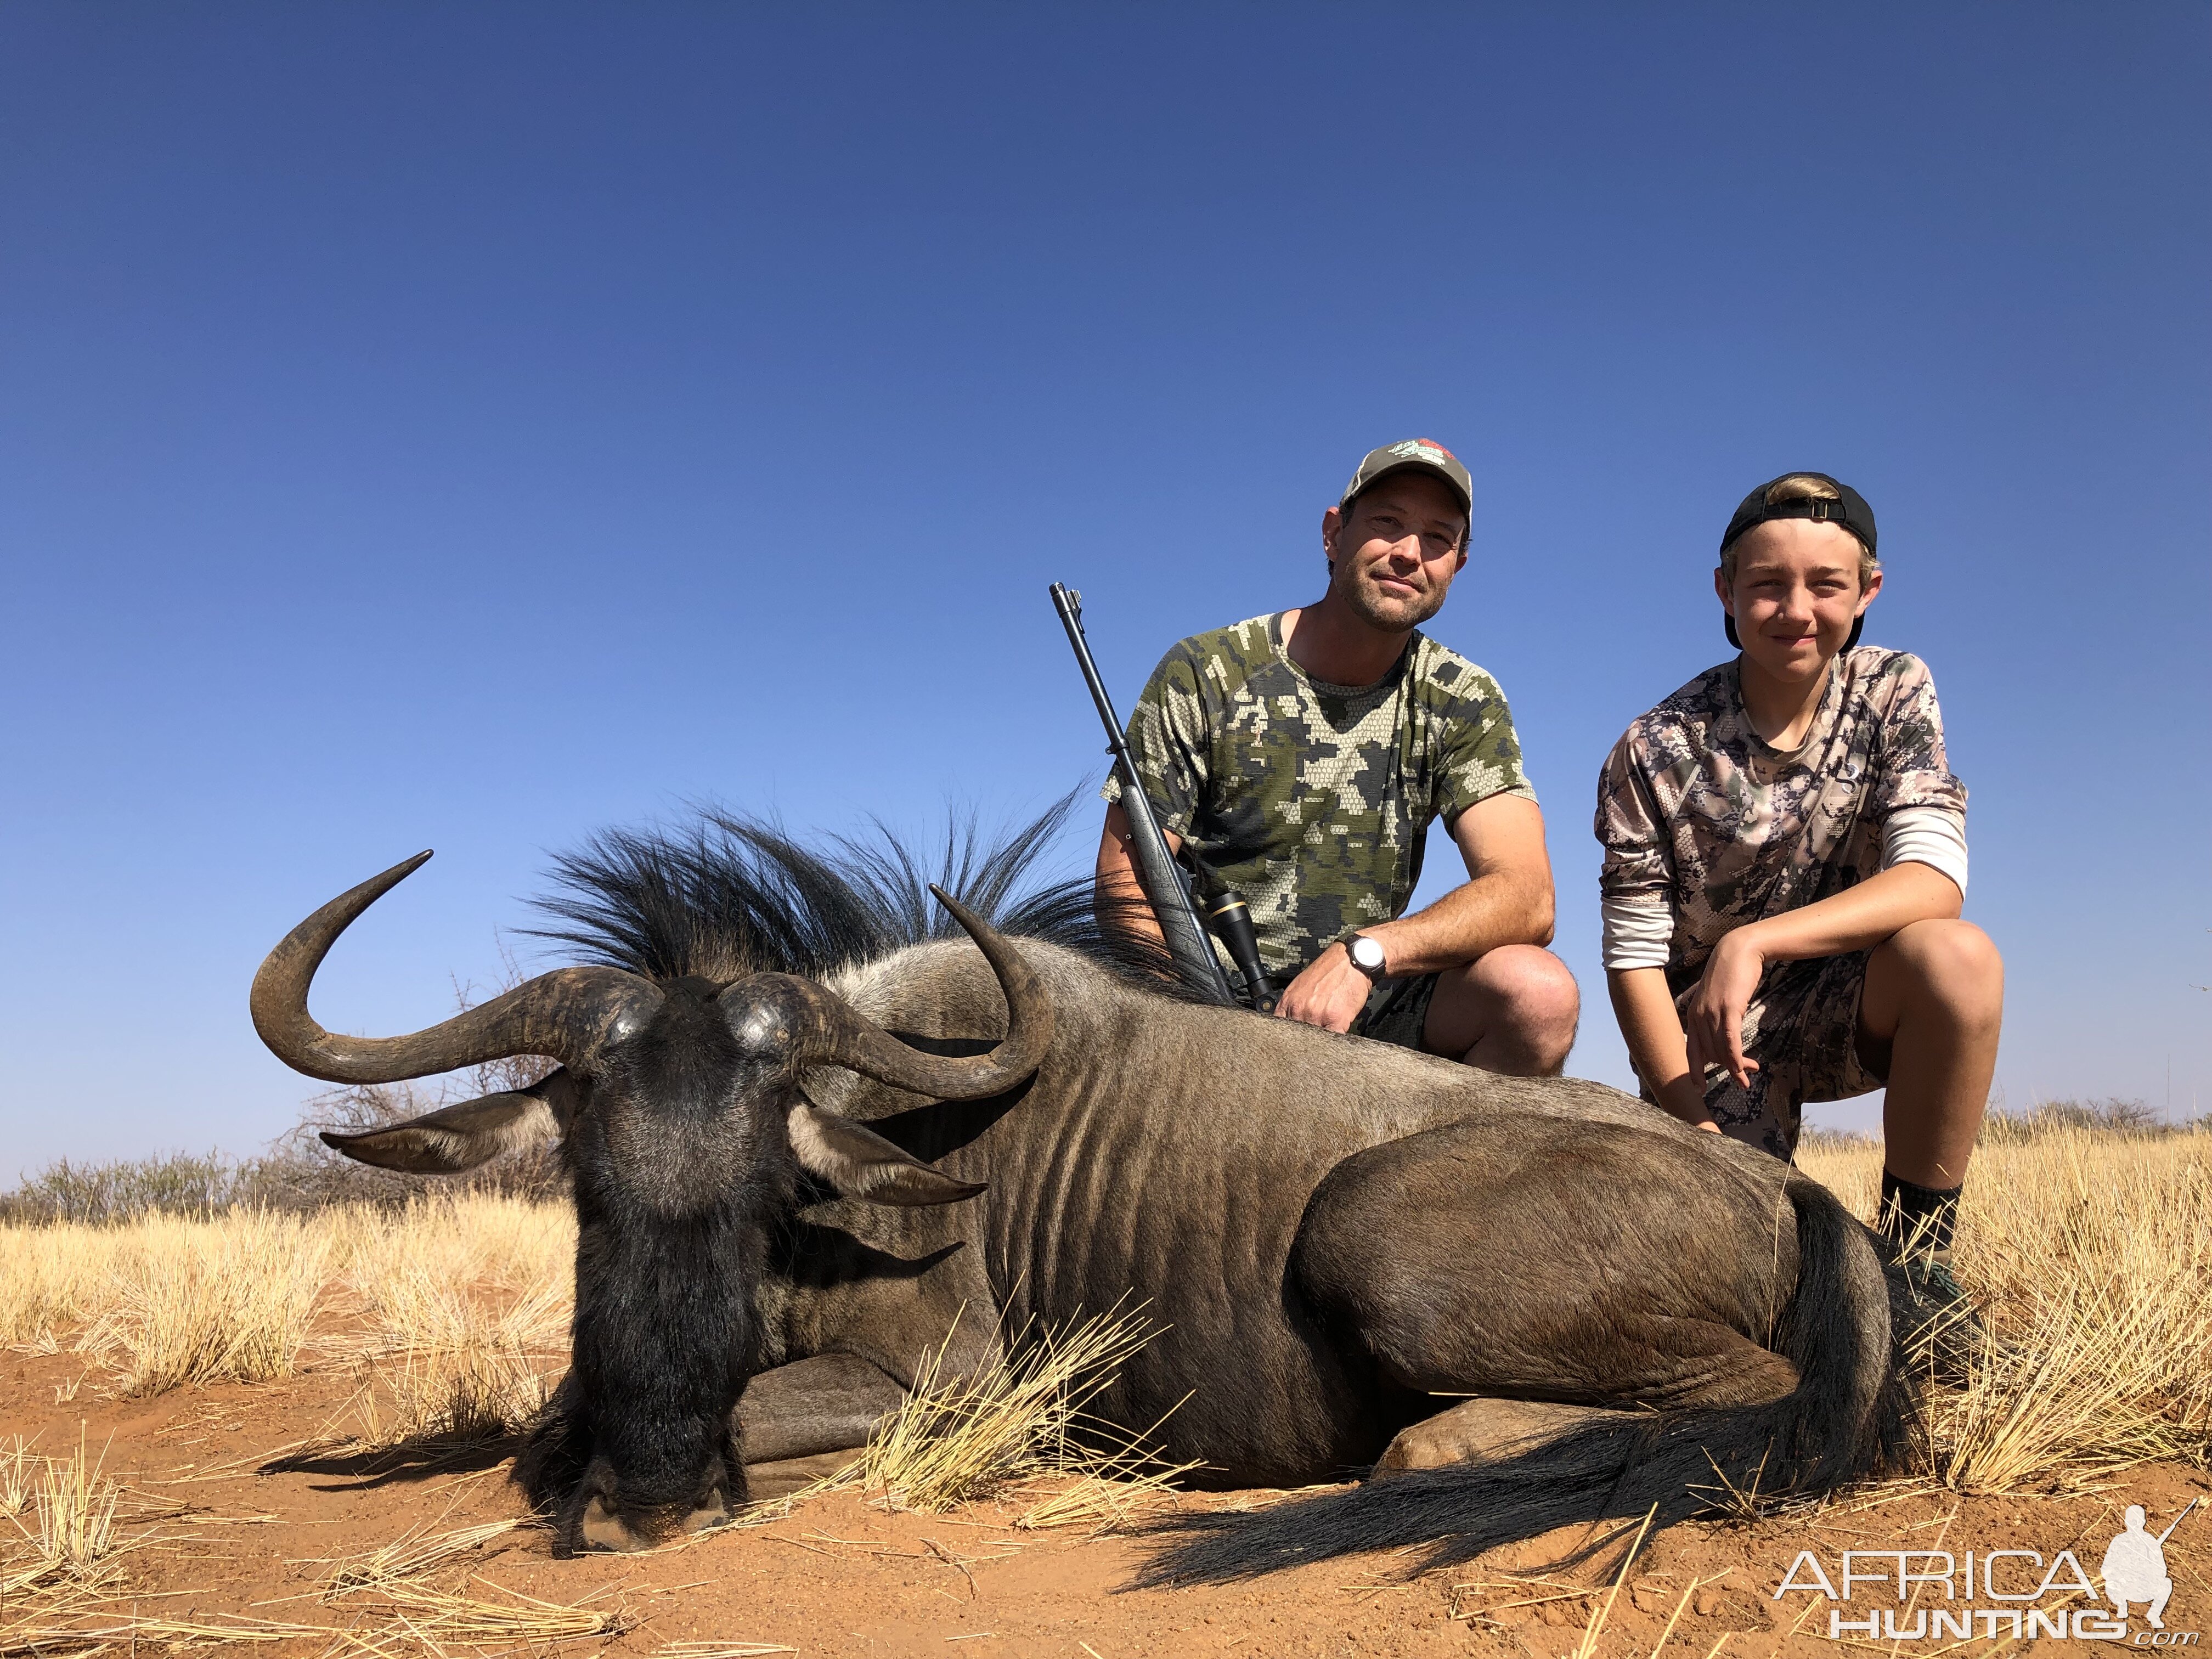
(1366, 953)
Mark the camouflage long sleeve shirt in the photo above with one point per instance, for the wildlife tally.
(1311, 800)
(1699, 813)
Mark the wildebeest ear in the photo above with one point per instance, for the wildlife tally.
(861, 1164)
(453, 1139)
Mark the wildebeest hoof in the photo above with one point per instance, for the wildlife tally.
(1483, 1431)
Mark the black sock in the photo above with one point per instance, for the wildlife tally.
(1921, 1217)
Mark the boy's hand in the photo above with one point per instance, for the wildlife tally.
(1713, 1022)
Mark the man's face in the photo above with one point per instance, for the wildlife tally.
(1796, 594)
(1397, 549)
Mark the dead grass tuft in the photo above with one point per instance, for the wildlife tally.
(409, 1557)
(460, 1313)
(66, 1541)
(962, 1438)
(415, 1608)
(19, 1472)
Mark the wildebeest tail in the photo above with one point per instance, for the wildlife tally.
(1846, 1417)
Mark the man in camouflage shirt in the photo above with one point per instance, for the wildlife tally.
(1302, 755)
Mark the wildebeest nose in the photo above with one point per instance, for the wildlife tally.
(605, 1528)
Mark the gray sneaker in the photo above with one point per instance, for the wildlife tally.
(1947, 1336)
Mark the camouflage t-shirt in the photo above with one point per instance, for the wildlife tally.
(1697, 812)
(1312, 801)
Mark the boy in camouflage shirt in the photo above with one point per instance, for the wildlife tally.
(1785, 861)
(1302, 757)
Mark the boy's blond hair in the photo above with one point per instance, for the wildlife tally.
(1803, 487)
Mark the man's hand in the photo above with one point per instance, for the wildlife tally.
(1329, 992)
(1713, 1022)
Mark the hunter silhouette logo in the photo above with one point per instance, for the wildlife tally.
(1995, 1593)
(2135, 1568)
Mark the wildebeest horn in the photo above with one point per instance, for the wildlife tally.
(844, 1038)
(566, 1014)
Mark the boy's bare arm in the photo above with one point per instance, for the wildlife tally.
(1657, 1044)
(1117, 877)
(1857, 919)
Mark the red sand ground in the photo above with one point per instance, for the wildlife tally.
(843, 1577)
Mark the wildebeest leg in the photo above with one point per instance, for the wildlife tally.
(1577, 1264)
(825, 1404)
(557, 1450)
(1484, 1430)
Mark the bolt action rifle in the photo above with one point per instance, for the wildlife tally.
(1162, 876)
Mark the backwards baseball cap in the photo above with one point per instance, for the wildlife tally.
(1848, 509)
(1425, 453)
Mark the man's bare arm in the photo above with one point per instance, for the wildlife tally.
(1117, 877)
(1505, 900)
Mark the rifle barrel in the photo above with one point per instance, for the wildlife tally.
(1162, 882)
(2178, 1520)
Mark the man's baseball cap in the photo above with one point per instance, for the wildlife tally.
(1850, 510)
(1425, 453)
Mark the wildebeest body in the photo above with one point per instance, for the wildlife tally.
(1333, 1231)
(775, 1157)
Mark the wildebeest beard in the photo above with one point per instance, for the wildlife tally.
(681, 1174)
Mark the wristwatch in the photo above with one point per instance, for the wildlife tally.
(1366, 954)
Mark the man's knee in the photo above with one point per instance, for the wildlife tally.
(1953, 964)
(1534, 996)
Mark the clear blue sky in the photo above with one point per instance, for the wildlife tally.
(465, 426)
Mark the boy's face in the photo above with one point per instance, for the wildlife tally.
(1796, 594)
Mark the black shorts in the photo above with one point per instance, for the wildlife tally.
(1397, 1011)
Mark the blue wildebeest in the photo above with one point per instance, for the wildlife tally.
(806, 1131)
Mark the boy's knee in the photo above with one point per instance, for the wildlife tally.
(1954, 962)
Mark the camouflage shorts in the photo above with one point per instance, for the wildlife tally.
(1802, 1029)
(1397, 1011)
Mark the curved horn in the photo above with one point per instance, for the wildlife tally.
(566, 1014)
(842, 1037)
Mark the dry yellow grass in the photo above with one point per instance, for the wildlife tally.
(454, 1314)
(166, 1301)
(221, 1301)
(51, 1280)
(65, 1539)
(19, 1472)
(2092, 1253)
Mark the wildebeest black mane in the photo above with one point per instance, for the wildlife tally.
(722, 895)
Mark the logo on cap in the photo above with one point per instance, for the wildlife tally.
(1422, 449)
